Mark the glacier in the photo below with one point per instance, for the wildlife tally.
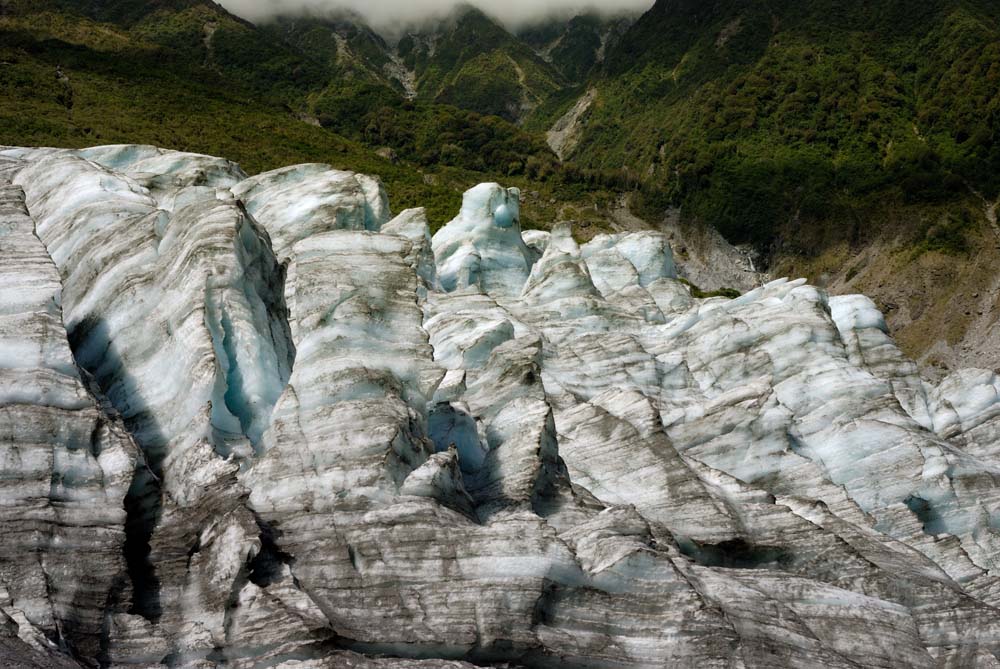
(262, 421)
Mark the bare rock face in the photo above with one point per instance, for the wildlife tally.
(256, 422)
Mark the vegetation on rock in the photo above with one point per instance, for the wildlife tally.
(756, 117)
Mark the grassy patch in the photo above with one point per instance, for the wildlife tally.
(696, 292)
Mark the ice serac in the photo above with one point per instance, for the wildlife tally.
(65, 468)
(174, 304)
(482, 247)
(296, 202)
(869, 346)
(362, 378)
(364, 446)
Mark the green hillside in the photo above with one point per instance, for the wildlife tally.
(576, 46)
(473, 62)
(751, 115)
(346, 47)
(765, 121)
(117, 89)
(187, 75)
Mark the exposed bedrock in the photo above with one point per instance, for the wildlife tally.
(262, 422)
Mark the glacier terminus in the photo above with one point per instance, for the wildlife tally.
(264, 421)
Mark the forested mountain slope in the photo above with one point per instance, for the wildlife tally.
(189, 75)
(852, 141)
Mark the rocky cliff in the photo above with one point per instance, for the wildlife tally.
(262, 422)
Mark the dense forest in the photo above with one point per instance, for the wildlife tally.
(751, 114)
(756, 119)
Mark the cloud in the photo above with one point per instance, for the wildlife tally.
(395, 13)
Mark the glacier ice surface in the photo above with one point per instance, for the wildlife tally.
(261, 421)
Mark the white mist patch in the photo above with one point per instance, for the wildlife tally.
(389, 14)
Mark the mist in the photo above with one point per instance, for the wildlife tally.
(394, 14)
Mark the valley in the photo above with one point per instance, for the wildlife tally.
(778, 131)
(656, 337)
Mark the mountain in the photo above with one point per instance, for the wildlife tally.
(265, 421)
(341, 400)
(805, 90)
(852, 142)
(465, 59)
(471, 61)
(346, 45)
(192, 76)
(576, 46)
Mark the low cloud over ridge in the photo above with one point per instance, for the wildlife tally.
(396, 13)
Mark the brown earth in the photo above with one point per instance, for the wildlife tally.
(941, 305)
